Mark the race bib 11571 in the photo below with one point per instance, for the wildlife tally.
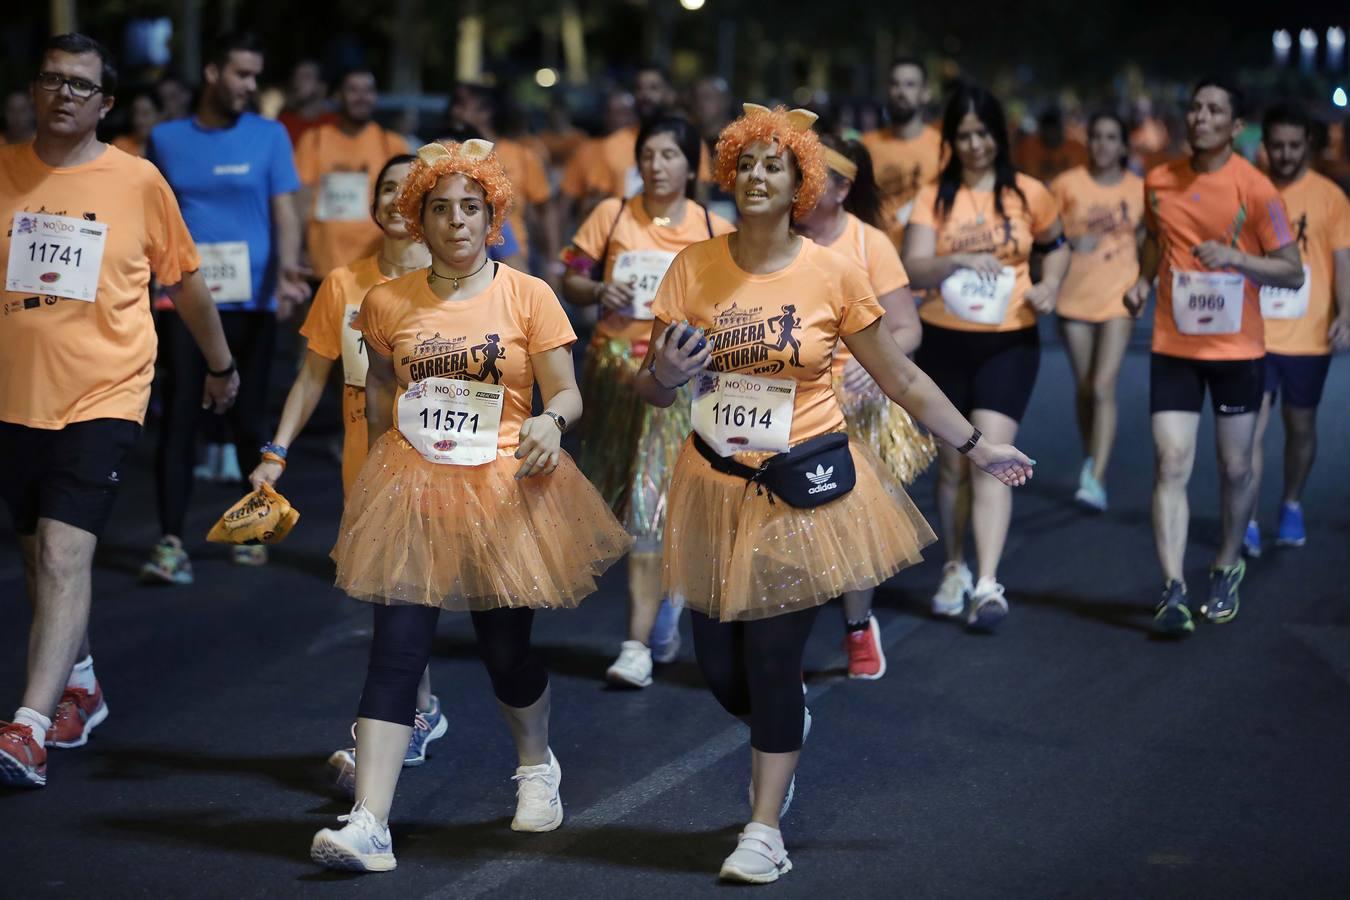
(451, 421)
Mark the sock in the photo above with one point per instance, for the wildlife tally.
(34, 720)
(858, 626)
(82, 676)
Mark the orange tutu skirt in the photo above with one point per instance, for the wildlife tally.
(732, 554)
(472, 537)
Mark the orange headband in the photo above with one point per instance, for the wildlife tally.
(790, 129)
(841, 164)
(474, 160)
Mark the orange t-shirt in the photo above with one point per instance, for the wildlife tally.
(490, 337)
(974, 226)
(129, 145)
(613, 167)
(1320, 214)
(327, 150)
(64, 361)
(525, 170)
(634, 230)
(902, 168)
(1041, 161)
(783, 325)
(326, 327)
(868, 248)
(578, 169)
(1235, 205)
(1108, 215)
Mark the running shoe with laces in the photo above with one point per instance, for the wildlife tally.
(988, 606)
(78, 713)
(1222, 605)
(343, 764)
(427, 727)
(248, 555)
(1091, 493)
(362, 845)
(168, 564)
(1251, 540)
(759, 857)
(665, 636)
(957, 583)
(866, 659)
(633, 668)
(23, 759)
(538, 804)
(1172, 617)
(1291, 533)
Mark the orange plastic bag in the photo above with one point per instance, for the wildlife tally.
(262, 517)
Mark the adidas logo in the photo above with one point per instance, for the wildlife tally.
(821, 479)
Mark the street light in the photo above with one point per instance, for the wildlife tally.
(1281, 42)
(546, 77)
(692, 5)
(1338, 97)
(1335, 48)
(1307, 46)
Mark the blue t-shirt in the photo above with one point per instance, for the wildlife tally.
(509, 246)
(225, 180)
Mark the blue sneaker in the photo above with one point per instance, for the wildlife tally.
(1251, 541)
(427, 727)
(665, 636)
(1291, 533)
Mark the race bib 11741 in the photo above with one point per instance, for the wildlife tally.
(734, 413)
(55, 255)
(451, 421)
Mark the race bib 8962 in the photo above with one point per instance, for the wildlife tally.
(979, 298)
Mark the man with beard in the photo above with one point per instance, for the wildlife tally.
(614, 170)
(907, 154)
(235, 179)
(1303, 327)
(1216, 231)
(338, 164)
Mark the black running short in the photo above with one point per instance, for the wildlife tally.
(1178, 385)
(1299, 379)
(67, 474)
(993, 370)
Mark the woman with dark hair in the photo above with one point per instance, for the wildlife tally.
(970, 244)
(617, 259)
(845, 219)
(773, 510)
(144, 117)
(1102, 205)
(331, 337)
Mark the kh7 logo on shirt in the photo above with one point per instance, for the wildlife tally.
(438, 357)
(744, 340)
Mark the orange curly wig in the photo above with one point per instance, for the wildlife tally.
(475, 160)
(789, 129)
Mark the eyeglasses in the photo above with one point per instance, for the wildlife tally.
(80, 89)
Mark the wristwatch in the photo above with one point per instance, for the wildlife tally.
(228, 370)
(557, 420)
(970, 444)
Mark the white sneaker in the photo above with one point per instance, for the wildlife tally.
(957, 582)
(792, 785)
(988, 606)
(362, 845)
(633, 668)
(760, 857)
(1090, 493)
(343, 764)
(538, 806)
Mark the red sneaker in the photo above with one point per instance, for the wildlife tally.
(865, 656)
(78, 713)
(23, 760)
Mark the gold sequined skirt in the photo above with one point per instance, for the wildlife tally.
(905, 449)
(472, 537)
(732, 554)
(629, 447)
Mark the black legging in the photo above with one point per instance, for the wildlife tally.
(401, 649)
(252, 339)
(754, 669)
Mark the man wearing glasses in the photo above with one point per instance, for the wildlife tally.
(86, 225)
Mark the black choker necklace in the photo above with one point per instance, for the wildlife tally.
(433, 275)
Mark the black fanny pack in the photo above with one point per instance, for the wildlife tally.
(811, 474)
